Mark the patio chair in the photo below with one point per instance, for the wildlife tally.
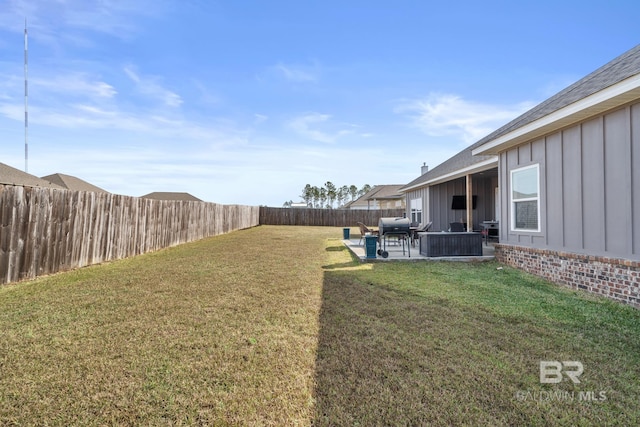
(423, 229)
(456, 227)
(364, 230)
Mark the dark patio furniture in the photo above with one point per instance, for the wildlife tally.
(456, 227)
(364, 230)
(490, 230)
(450, 244)
(414, 232)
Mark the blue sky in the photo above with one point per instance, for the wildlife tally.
(247, 101)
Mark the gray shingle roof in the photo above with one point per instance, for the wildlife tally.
(73, 183)
(378, 192)
(615, 71)
(459, 161)
(12, 176)
(381, 192)
(159, 195)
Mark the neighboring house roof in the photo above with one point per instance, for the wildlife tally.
(159, 195)
(378, 192)
(610, 86)
(571, 105)
(384, 192)
(72, 183)
(12, 176)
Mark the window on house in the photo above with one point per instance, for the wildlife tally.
(416, 210)
(525, 198)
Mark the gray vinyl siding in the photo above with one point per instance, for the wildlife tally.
(635, 180)
(420, 193)
(532, 153)
(592, 186)
(617, 183)
(485, 189)
(572, 220)
(589, 193)
(440, 211)
(555, 206)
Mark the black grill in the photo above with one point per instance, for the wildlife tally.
(394, 226)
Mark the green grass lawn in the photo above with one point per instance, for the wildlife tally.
(281, 326)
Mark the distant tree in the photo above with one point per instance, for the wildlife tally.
(353, 191)
(343, 194)
(287, 204)
(323, 196)
(364, 190)
(307, 194)
(327, 195)
(331, 193)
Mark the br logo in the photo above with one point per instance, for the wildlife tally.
(551, 371)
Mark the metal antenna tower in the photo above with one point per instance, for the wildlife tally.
(26, 100)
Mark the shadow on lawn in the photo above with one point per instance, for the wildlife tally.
(387, 356)
(372, 367)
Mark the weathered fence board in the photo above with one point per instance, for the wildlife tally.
(324, 217)
(44, 230)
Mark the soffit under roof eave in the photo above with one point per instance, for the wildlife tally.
(615, 96)
(474, 168)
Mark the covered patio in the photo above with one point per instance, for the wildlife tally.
(461, 194)
(410, 252)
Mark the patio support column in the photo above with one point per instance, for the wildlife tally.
(469, 204)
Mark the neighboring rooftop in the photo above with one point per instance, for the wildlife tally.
(12, 176)
(159, 195)
(378, 192)
(384, 192)
(73, 183)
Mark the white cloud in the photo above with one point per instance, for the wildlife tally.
(446, 114)
(90, 121)
(56, 20)
(206, 96)
(297, 73)
(259, 118)
(318, 127)
(149, 86)
(75, 84)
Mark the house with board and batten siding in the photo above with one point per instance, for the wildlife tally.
(566, 184)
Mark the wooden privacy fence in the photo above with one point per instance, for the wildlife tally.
(44, 230)
(324, 217)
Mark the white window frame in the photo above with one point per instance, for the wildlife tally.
(512, 201)
(415, 210)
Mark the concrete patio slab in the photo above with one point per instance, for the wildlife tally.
(413, 253)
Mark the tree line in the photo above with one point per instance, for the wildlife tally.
(329, 195)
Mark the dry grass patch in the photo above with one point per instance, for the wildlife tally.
(219, 331)
(281, 326)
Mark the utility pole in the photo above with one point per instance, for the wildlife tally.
(26, 100)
